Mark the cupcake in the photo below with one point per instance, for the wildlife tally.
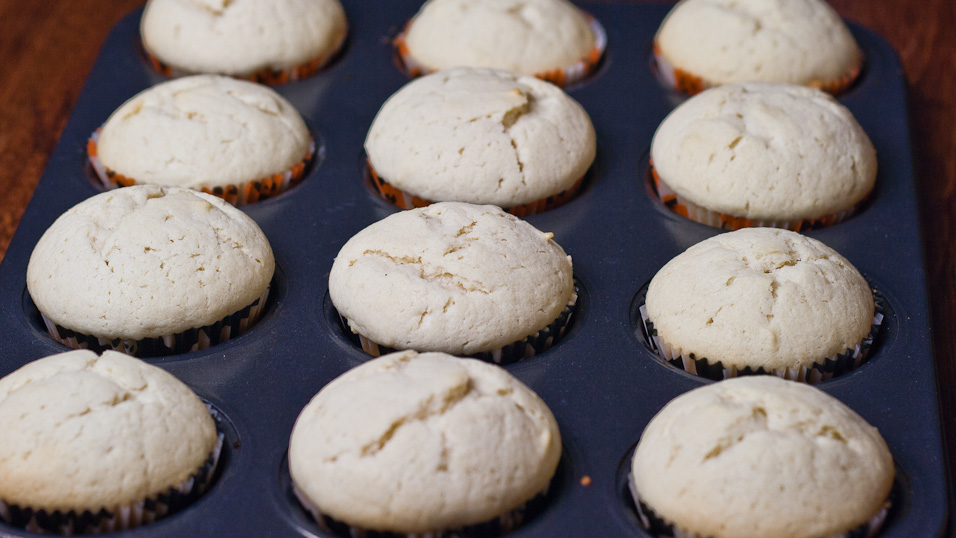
(480, 136)
(549, 39)
(423, 445)
(269, 41)
(150, 271)
(705, 43)
(100, 444)
(762, 154)
(454, 277)
(760, 457)
(238, 140)
(761, 300)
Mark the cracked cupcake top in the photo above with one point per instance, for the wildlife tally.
(414, 443)
(765, 151)
(203, 131)
(522, 36)
(452, 277)
(760, 456)
(241, 37)
(760, 297)
(723, 41)
(82, 432)
(481, 136)
(147, 261)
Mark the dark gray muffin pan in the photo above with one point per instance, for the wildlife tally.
(601, 381)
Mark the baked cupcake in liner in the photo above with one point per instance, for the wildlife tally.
(187, 122)
(730, 459)
(745, 298)
(454, 277)
(150, 271)
(520, 350)
(467, 420)
(244, 40)
(703, 44)
(237, 194)
(482, 136)
(565, 75)
(762, 154)
(405, 200)
(34, 516)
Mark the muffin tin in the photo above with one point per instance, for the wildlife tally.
(601, 381)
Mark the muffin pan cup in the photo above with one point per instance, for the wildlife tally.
(601, 381)
(187, 341)
(562, 76)
(246, 192)
(268, 76)
(405, 200)
(817, 372)
(684, 81)
(661, 528)
(126, 517)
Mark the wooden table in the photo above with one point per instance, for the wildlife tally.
(47, 49)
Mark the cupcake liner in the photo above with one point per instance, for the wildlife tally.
(561, 76)
(661, 528)
(511, 353)
(405, 200)
(125, 517)
(184, 342)
(687, 209)
(237, 194)
(820, 371)
(269, 76)
(689, 83)
(493, 528)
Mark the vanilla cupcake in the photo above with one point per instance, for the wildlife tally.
(704, 43)
(270, 41)
(238, 140)
(480, 136)
(468, 443)
(549, 39)
(150, 271)
(454, 277)
(761, 300)
(100, 444)
(760, 457)
(762, 154)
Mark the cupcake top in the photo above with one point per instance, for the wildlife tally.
(203, 131)
(147, 261)
(241, 37)
(466, 441)
(760, 456)
(523, 36)
(765, 151)
(722, 41)
(452, 277)
(760, 297)
(83, 432)
(481, 136)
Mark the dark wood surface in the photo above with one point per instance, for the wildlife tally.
(47, 49)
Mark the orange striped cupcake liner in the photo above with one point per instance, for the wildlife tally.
(237, 194)
(560, 76)
(688, 209)
(691, 84)
(406, 200)
(267, 75)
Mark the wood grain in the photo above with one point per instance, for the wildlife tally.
(47, 49)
